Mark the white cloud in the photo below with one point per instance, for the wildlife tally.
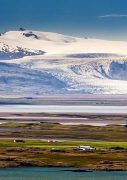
(113, 16)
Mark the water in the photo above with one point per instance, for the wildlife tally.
(64, 109)
(58, 174)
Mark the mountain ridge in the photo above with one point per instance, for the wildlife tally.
(48, 42)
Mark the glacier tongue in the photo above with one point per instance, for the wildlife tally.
(63, 75)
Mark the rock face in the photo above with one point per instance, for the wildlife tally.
(17, 53)
(50, 63)
(30, 34)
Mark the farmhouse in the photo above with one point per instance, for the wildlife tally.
(85, 148)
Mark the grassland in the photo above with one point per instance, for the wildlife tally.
(57, 131)
(110, 142)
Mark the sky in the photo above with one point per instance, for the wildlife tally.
(105, 19)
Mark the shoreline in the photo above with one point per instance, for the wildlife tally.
(76, 119)
(77, 169)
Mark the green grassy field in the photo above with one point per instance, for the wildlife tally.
(65, 144)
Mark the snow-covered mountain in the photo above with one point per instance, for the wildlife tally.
(38, 63)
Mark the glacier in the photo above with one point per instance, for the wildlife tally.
(34, 63)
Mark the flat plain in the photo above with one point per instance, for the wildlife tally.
(49, 139)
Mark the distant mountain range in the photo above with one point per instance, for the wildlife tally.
(34, 63)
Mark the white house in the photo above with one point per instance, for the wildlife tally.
(85, 148)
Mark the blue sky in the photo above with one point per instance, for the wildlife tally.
(105, 19)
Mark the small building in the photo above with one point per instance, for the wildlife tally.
(85, 148)
(51, 141)
(18, 140)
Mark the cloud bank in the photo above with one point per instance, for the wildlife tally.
(113, 16)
